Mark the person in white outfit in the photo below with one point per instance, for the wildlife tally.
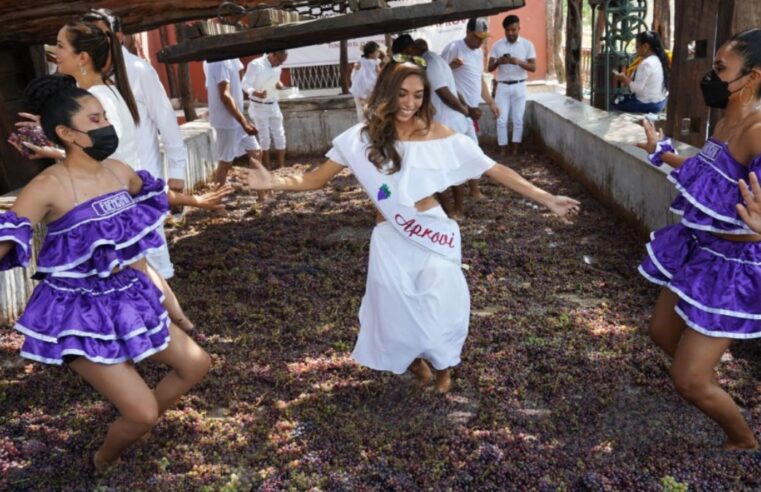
(363, 76)
(416, 306)
(157, 117)
(450, 110)
(466, 59)
(235, 134)
(261, 82)
(512, 57)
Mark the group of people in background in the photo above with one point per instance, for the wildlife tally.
(104, 263)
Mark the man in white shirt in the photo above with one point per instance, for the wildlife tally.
(466, 60)
(235, 134)
(450, 110)
(261, 82)
(512, 57)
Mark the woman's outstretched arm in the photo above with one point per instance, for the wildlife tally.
(259, 178)
(566, 208)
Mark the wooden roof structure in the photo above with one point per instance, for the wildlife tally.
(351, 25)
(38, 21)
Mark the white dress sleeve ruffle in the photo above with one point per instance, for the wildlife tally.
(428, 166)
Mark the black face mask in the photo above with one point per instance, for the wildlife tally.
(104, 142)
(716, 91)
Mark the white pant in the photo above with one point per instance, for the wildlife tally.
(360, 105)
(268, 119)
(511, 99)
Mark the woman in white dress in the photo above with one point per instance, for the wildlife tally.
(364, 75)
(416, 306)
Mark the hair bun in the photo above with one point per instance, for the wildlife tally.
(39, 90)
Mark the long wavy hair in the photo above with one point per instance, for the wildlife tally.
(102, 48)
(381, 111)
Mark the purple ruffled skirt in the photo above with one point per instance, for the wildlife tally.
(106, 320)
(718, 281)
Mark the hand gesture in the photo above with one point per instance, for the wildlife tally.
(261, 94)
(750, 212)
(564, 207)
(212, 200)
(494, 109)
(456, 63)
(259, 178)
(31, 120)
(474, 113)
(652, 136)
(249, 128)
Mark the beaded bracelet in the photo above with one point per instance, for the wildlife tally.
(661, 147)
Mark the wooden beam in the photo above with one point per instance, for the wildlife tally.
(38, 21)
(573, 33)
(348, 26)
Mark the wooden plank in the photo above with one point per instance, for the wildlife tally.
(694, 46)
(38, 21)
(348, 26)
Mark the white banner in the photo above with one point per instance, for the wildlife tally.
(438, 36)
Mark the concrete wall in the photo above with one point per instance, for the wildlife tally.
(598, 148)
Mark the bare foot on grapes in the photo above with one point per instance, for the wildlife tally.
(443, 381)
(740, 446)
(184, 324)
(101, 465)
(422, 372)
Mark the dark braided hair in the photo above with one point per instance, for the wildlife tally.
(652, 38)
(56, 99)
(747, 44)
(102, 46)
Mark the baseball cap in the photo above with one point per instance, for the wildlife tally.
(479, 26)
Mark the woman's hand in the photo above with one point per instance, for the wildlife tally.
(564, 207)
(259, 178)
(651, 135)
(212, 200)
(750, 212)
(31, 120)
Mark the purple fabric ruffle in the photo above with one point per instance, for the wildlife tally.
(106, 232)
(106, 320)
(718, 281)
(708, 187)
(19, 231)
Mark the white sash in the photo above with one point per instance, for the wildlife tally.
(437, 234)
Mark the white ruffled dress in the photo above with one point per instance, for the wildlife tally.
(416, 302)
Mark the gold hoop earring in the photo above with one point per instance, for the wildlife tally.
(747, 100)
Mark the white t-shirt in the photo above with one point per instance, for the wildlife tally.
(223, 71)
(522, 49)
(469, 75)
(647, 85)
(363, 78)
(440, 75)
(118, 115)
(262, 76)
(156, 116)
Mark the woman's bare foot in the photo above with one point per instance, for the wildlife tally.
(751, 445)
(443, 381)
(184, 324)
(102, 466)
(422, 372)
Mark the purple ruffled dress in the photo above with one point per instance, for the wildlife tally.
(81, 307)
(718, 281)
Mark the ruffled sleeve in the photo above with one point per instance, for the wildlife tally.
(153, 192)
(19, 231)
(432, 166)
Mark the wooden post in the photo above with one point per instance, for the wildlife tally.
(573, 32)
(344, 67)
(185, 85)
(662, 21)
(170, 75)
